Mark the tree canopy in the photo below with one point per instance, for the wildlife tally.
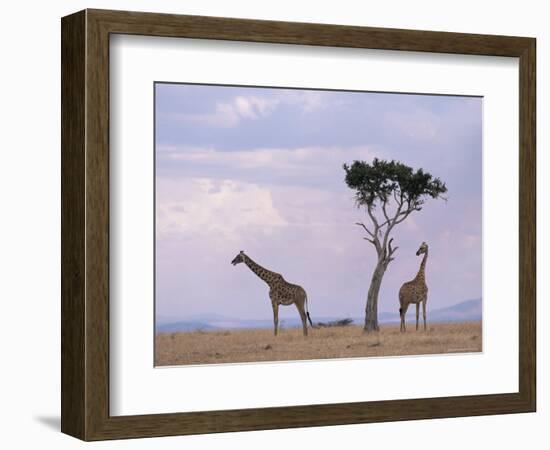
(375, 183)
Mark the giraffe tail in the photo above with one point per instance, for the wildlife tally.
(307, 314)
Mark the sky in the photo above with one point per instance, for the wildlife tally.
(260, 170)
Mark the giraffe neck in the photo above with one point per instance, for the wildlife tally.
(421, 275)
(266, 275)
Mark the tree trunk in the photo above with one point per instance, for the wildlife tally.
(371, 310)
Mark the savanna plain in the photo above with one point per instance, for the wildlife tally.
(253, 345)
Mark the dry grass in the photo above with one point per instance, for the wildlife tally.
(235, 346)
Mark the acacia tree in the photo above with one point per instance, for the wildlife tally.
(389, 191)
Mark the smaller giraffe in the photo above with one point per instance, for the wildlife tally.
(281, 292)
(415, 291)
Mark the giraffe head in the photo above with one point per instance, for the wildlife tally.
(238, 259)
(423, 249)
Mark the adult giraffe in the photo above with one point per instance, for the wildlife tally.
(415, 291)
(281, 292)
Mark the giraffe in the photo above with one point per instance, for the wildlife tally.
(281, 292)
(415, 291)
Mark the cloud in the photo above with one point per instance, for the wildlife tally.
(307, 101)
(203, 206)
(418, 124)
(295, 166)
(230, 114)
(448, 123)
(254, 107)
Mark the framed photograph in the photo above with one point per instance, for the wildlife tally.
(273, 225)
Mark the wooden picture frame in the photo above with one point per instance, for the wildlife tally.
(85, 224)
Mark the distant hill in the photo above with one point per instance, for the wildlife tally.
(469, 310)
(183, 325)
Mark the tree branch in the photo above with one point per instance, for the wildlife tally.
(390, 249)
(405, 215)
(365, 228)
(398, 213)
(399, 202)
(374, 239)
(384, 210)
(374, 221)
(392, 224)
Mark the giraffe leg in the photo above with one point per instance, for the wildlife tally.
(403, 311)
(424, 313)
(417, 311)
(301, 311)
(275, 317)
